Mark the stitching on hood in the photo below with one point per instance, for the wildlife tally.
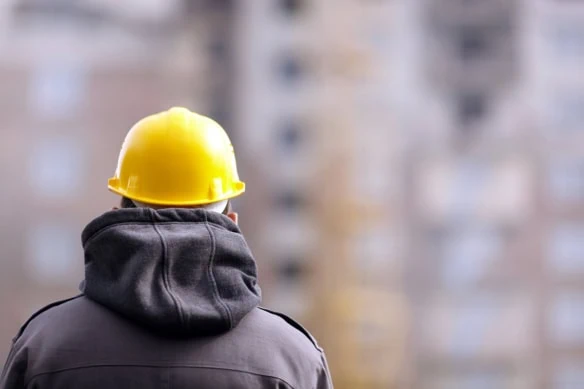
(212, 276)
(110, 226)
(165, 270)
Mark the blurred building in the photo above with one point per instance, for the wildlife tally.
(418, 178)
(557, 45)
(495, 276)
(472, 274)
(318, 109)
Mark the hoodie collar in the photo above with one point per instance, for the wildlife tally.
(178, 271)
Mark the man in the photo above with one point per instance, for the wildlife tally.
(170, 296)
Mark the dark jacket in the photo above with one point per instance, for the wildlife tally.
(170, 300)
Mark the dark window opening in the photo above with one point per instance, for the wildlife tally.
(291, 269)
(194, 6)
(292, 7)
(472, 107)
(289, 201)
(472, 2)
(290, 69)
(472, 44)
(218, 49)
(290, 135)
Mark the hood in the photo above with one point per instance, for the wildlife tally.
(178, 271)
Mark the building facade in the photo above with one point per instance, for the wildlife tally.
(419, 203)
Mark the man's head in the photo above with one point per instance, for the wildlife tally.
(177, 158)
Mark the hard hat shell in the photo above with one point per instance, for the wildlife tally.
(177, 157)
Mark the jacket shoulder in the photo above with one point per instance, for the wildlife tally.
(297, 326)
(41, 311)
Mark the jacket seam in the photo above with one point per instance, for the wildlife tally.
(108, 227)
(212, 275)
(97, 365)
(41, 311)
(325, 368)
(297, 326)
(9, 360)
(165, 277)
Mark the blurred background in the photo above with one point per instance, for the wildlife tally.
(415, 168)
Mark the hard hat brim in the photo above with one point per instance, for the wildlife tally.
(113, 186)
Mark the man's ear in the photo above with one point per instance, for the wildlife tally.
(233, 216)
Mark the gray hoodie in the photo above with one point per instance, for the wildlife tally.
(170, 300)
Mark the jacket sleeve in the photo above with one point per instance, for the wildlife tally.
(324, 380)
(14, 369)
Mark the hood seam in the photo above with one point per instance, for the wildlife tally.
(165, 269)
(144, 222)
(212, 276)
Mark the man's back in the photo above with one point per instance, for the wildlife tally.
(80, 344)
(170, 301)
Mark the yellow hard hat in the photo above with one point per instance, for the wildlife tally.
(177, 157)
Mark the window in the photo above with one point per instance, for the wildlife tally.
(486, 379)
(375, 253)
(566, 319)
(495, 190)
(470, 180)
(218, 49)
(290, 269)
(195, 6)
(566, 249)
(293, 298)
(471, 107)
(290, 69)
(52, 253)
(567, 111)
(374, 168)
(56, 167)
(58, 11)
(452, 188)
(291, 7)
(472, 43)
(290, 232)
(290, 135)
(56, 90)
(568, 375)
(467, 256)
(469, 325)
(289, 201)
(566, 38)
(566, 180)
